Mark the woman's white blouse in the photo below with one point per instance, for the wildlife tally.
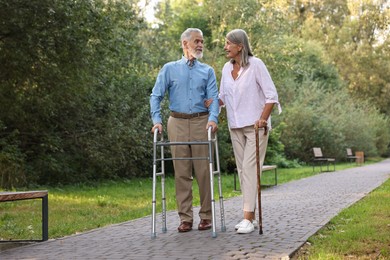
(246, 96)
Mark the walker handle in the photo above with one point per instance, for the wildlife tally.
(155, 134)
(209, 131)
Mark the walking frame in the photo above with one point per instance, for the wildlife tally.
(160, 144)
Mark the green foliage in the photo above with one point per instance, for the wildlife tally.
(276, 150)
(355, 35)
(73, 89)
(12, 162)
(332, 121)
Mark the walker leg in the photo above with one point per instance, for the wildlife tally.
(153, 235)
(221, 206)
(212, 194)
(211, 167)
(164, 207)
(163, 202)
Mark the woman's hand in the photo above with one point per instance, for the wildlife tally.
(208, 102)
(261, 123)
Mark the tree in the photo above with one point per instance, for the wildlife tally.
(73, 89)
(357, 41)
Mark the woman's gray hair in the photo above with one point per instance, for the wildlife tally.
(186, 35)
(239, 36)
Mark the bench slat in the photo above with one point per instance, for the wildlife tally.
(263, 169)
(22, 195)
(268, 167)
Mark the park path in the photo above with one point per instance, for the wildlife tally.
(292, 212)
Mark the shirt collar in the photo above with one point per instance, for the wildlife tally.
(190, 63)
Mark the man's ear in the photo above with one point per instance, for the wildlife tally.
(185, 44)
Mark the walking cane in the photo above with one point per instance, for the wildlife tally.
(258, 166)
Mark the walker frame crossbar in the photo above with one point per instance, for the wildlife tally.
(160, 145)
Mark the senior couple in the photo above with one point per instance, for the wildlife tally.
(248, 93)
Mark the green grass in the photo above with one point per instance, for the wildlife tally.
(361, 231)
(79, 208)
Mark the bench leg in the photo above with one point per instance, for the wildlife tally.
(45, 218)
(276, 177)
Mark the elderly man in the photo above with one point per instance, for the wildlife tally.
(188, 83)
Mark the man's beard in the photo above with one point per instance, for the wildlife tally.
(197, 54)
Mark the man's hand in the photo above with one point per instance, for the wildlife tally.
(159, 127)
(213, 125)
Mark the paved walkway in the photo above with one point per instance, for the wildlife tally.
(292, 212)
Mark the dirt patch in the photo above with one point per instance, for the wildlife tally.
(302, 253)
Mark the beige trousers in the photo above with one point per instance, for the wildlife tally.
(185, 130)
(244, 147)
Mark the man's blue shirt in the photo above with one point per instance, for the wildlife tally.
(188, 87)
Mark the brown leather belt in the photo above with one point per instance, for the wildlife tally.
(188, 116)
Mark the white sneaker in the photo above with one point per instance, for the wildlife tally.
(239, 224)
(254, 222)
(246, 227)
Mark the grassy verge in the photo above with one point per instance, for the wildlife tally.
(79, 208)
(361, 231)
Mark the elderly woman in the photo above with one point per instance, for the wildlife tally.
(249, 94)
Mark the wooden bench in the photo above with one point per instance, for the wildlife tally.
(350, 156)
(264, 168)
(320, 159)
(27, 195)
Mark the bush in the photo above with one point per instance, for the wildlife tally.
(331, 120)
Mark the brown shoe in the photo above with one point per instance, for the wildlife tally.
(185, 226)
(204, 224)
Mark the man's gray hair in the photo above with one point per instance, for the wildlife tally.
(239, 36)
(186, 35)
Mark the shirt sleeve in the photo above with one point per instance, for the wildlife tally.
(212, 92)
(158, 93)
(267, 85)
(222, 86)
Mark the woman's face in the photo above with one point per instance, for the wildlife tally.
(232, 50)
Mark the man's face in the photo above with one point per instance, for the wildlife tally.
(194, 46)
